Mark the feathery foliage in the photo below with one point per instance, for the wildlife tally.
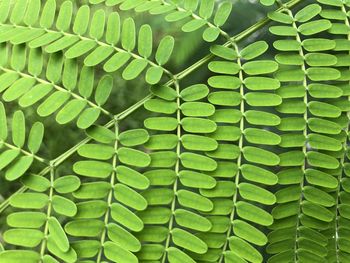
(250, 165)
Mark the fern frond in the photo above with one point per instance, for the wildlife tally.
(312, 119)
(243, 154)
(336, 12)
(71, 35)
(54, 86)
(27, 231)
(196, 14)
(115, 200)
(15, 159)
(177, 159)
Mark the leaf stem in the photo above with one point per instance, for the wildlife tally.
(305, 133)
(239, 160)
(48, 214)
(235, 39)
(110, 194)
(74, 95)
(99, 43)
(177, 170)
(10, 146)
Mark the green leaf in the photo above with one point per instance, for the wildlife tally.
(320, 59)
(188, 241)
(197, 162)
(318, 44)
(197, 109)
(57, 233)
(93, 169)
(283, 30)
(35, 137)
(198, 143)
(256, 193)
(224, 67)
(145, 41)
(84, 227)
(123, 238)
(254, 50)
(261, 156)
(18, 129)
(3, 122)
(320, 178)
(129, 197)
(196, 179)
(118, 254)
(29, 200)
(103, 89)
(262, 99)
(222, 14)
(248, 232)
(176, 255)
(133, 137)
(164, 50)
(163, 159)
(198, 125)
(261, 83)
(224, 82)
(225, 98)
(52, 103)
(280, 17)
(322, 160)
(164, 92)
(128, 34)
(36, 182)
(192, 220)
(261, 136)
(69, 256)
(161, 106)
(324, 91)
(26, 219)
(323, 142)
(161, 123)
(92, 190)
(223, 52)
(91, 209)
(323, 109)
(195, 201)
(314, 27)
(133, 157)
(317, 211)
(23, 237)
(116, 62)
(66, 184)
(193, 25)
(307, 13)
(126, 218)
(244, 250)
(321, 74)
(253, 213)
(260, 67)
(96, 151)
(318, 196)
(323, 126)
(7, 157)
(134, 69)
(131, 177)
(64, 206)
(259, 175)
(14, 256)
(19, 168)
